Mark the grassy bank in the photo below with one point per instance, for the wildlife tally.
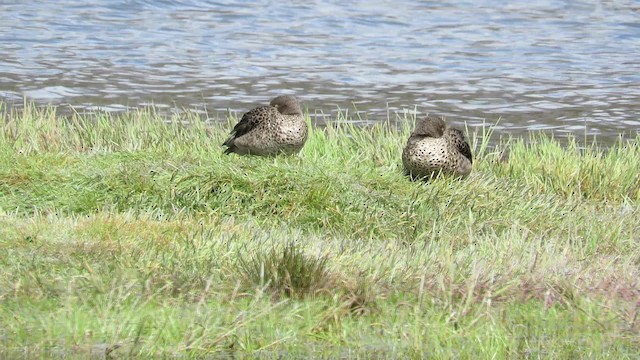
(131, 235)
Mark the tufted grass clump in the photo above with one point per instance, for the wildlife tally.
(285, 270)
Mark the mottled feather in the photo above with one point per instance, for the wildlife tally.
(269, 130)
(460, 144)
(433, 148)
(248, 122)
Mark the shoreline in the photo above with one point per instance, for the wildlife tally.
(320, 117)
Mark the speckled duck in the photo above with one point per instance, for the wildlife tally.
(270, 130)
(434, 148)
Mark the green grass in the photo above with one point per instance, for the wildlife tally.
(132, 235)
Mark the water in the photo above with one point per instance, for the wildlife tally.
(561, 66)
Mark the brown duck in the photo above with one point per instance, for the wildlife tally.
(434, 148)
(270, 130)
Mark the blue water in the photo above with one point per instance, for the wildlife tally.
(562, 66)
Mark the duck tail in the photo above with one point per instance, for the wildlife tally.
(231, 147)
(430, 126)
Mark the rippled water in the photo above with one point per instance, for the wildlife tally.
(570, 66)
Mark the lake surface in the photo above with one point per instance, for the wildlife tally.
(561, 66)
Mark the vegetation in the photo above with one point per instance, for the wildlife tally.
(132, 234)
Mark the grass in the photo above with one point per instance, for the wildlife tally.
(132, 235)
(286, 271)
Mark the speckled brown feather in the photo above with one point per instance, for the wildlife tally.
(269, 130)
(249, 121)
(457, 139)
(434, 148)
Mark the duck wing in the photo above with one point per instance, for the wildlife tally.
(249, 121)
(464, 149)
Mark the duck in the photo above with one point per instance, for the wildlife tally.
(279, 128)
(434, 148)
